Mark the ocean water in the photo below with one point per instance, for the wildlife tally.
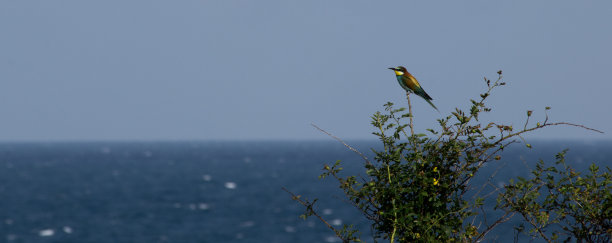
(202, 191)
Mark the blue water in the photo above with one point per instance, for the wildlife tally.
(199, 191)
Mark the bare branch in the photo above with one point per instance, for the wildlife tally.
(343, 143)
(308, 206)
(572, 124)
(507, 216)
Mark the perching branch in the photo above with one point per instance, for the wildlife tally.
(410, 111)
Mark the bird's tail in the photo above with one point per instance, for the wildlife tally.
(432, 105)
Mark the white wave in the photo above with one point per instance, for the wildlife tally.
(46, 232)
(290, 229)
(336, 222)
(230, 185)
(247, 224)
(332, 239)
(11, 237)
(203, 206)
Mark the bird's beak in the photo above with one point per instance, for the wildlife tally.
(392, 68)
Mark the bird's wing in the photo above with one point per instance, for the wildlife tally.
(414, 85)
(411, 82)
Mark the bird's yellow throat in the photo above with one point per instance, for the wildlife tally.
(398, 73)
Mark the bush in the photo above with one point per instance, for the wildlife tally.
(416, 186)
(558, 199)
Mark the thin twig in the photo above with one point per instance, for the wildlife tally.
(343, 143)
(534, 225)
(572, 124)
(488, 182)
(308, 206)
(500, 220)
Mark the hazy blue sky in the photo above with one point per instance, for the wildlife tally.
(158, 70)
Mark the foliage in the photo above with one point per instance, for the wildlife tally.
(559, 202)
(416, 189)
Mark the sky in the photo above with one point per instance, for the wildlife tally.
(265, 70)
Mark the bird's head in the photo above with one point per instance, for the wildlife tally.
(399, 70)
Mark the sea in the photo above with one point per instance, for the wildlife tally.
(143, 192)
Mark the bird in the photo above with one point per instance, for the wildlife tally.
(410, 84)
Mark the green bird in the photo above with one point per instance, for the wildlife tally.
(410, 84)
